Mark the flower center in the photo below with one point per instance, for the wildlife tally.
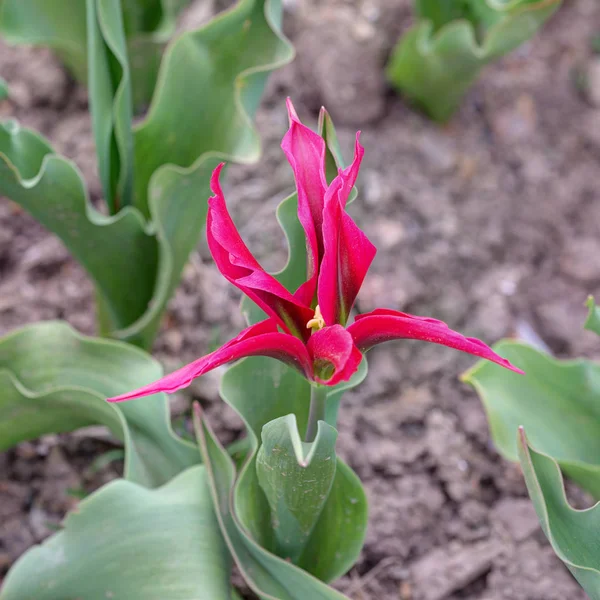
(317, 322)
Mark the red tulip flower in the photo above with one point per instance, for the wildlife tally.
(307, 328)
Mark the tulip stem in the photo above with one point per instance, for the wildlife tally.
(318, 401)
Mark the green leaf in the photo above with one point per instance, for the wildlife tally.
(592, 323)
(137, 265)
(437, 60)
(54, 380)
(441, 12)
(231, 56)
(110, 100)
(61, 25)
(574, 534)
(557, 402)
(269, 576)
(58, 24)
(3, 89)
(119, 254)
(128, 543)
(277, 391)
(296, 478)
(149, 26)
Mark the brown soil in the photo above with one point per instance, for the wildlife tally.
(487, 223)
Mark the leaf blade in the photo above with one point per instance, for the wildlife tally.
(556, 402)
(572, 533)
(270, 577)
(296, 478)
(124, 523)
(277, 391)
(55, 380)
(435, 63)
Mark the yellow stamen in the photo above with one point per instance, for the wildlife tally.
(317, 322)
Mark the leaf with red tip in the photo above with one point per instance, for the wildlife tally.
(383, 325)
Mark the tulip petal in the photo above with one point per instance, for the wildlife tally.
(236, 263)
(261, 339)
(335, 357)
(383, 325)
(348, 252)
(305, 151)
(347, 177)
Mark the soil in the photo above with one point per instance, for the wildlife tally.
(487, 223)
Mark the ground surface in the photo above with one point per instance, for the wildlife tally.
(491, 223)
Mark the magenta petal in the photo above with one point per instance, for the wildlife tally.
(348, 256)
(305, 151)
(236, 263)
(333, 348)
(348, 253)
(261, 339)
(347, 177)
(383, 325)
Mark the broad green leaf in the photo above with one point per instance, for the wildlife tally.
(574, 534)
(486, 14)
(110, 100)
(136, 265)
(269, 576)
(179, 207)
(518, 21)
(277, 391)
(149, 25)
(231, 56)
(53, 380)
(118, 252)
(437, 60)
(129, 543)
(58, 24)
(61, 25)
(442, 12)
(557, 402)
(296, 478)
(592, 323)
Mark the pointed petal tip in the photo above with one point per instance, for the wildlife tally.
(215, 184)
(503, 362)
(359, 149)
(512, 367)
(292, 114)
(120, 398)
